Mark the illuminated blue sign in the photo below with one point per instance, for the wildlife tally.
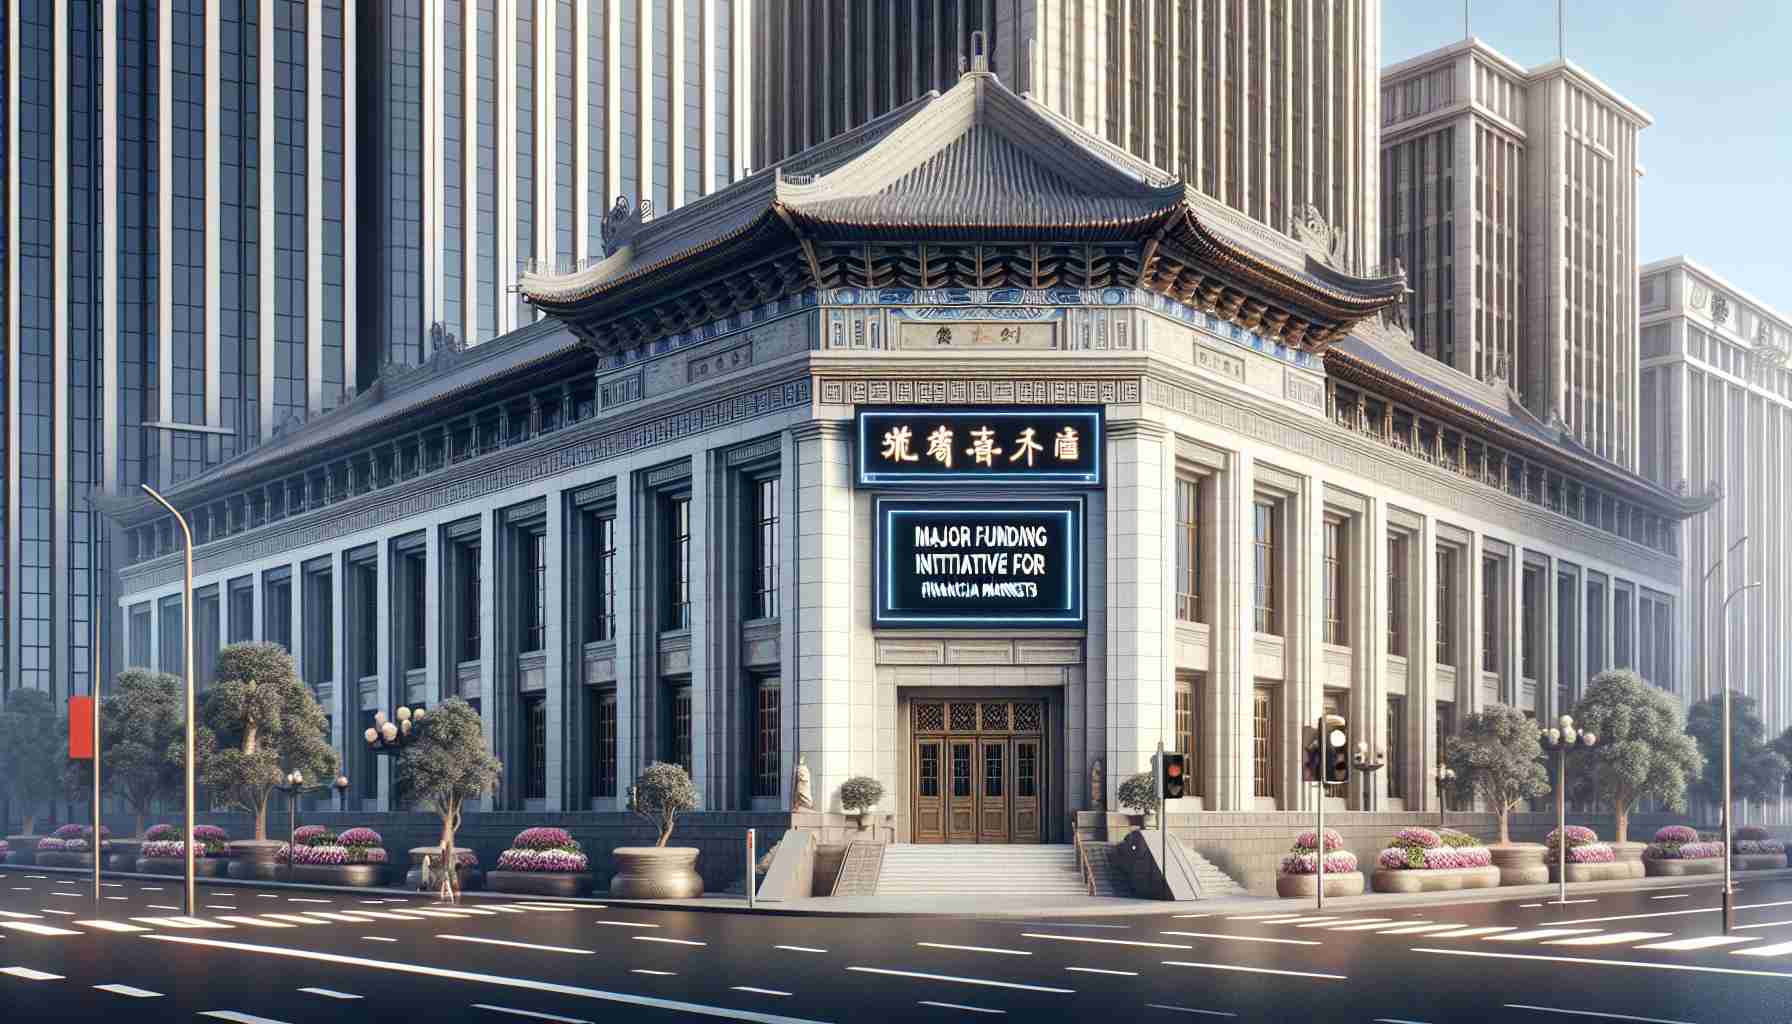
(969, 564)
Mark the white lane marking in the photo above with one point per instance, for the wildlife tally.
(1190, 1009)
(974, 949)
(218, 906)
(161, 906)
(329, 993)
(1777, 949)
(1704, 942)
(21, 888)
(1600, 963)
(501, 910)
(149, 888)
(334, 918)
(529, 1013)
(1100, 970)
(41, 878)
(302, 899)
(1190, 917)
(961, 1006)
(758, 991)
(20, 915)
(1565, 903)
(556, 907)
(129, 990)
(378, 938)
(1379, 925)
(661, 974)
(1416, 929)
(963, 981)
(625, 924)
(293, 919)
(255, 922)
(1676, 913)
(382, 915)
(801, 949)
(1266, 917)
(1068, 924)
(178, 922)
(1608, 939)
(108, 885)
(59, 913)
(1676, 896)
(238, 1018)
(267, 895)
(1347, 921)
(439, 913)
(1527, 906)
(1763, 924)
(1242, 938)
(111, 926)
(1538, 935)
(1396, 1020)
(30, 975)
(1300, 919)
(475, 911)
(121, 899)
(37, 929)
(1592, 1013)
(1463, 933)
(675, 942)
(1104, 942)
(76, 895)
(517, 945)
(494, 980)
(402, 915)
(355, 915)
(1255, 970)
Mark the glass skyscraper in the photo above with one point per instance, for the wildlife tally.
(224, 218)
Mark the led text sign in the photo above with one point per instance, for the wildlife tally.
(979, 564)
(1048, 446)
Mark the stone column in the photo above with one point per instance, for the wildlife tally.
(706, 547)
(1303, 632)
(1233, 784)
(1369, 632)
(1138, 666)
(488, 640)
(629, 635)
(823, 680)
(1422, 692)
(554, 647)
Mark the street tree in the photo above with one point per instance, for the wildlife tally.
(142, 729)
(1782, 745)
(661, 794)
(1496, 754)
(1643, 751)
(1757, 769)
(446, 763)
(32, 753)
(260, 721)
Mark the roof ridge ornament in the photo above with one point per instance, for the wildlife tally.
(1323, 242)
(622, 221)
(979, 56)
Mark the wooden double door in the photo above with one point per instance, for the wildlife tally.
(978, 771)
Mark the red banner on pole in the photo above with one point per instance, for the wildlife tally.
(80, 728)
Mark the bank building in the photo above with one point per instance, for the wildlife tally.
(965, 451)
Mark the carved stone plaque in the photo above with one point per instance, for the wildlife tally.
(962, 334)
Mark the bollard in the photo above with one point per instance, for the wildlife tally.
(752, 873)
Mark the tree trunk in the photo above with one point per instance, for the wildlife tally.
(261, 815)
(30, 824)
(139, 833)
(1622, 813)
(1505, 825)
(448, 831)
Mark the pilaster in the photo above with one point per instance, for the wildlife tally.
(1233, 783)
(824, 557)
(1139, 673)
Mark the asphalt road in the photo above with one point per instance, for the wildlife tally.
(255, 955)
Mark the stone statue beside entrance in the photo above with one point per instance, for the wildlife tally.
(805, 793)
(1097, 787)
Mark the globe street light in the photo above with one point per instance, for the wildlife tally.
(295, 787)
(341, 794)
(1560, 740)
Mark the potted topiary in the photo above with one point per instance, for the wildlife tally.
(542, 862)
(1299, 873)
(71, 846)
(162, 852)
(357, 857)
(659, 872)
(1757, 850)
(1139, 794)
(1678, 850)
(446, 764)
(861, 793)
(1420, 860)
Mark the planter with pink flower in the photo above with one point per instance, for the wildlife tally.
(1423, 860)
(542, 862)
(1678, 850)
(1299, 874)
(1757, 850)
(71, 846)
(163, 853)
(321, 856)
(1589, 860)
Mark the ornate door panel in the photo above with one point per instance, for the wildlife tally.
(1025, 798)
(930, 802)
(961, 805)
(992, 791)
(978, 771)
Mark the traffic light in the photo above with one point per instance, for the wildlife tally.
(1174, 770)
(1337, 754)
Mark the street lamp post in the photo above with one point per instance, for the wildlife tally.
(387, 738)
(1445, 777)
(1361, 761)
(1561, 740)
(341, 794)
(186, 617)
(1724, 621)
(294, 787)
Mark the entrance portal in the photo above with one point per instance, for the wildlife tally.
(979, 771)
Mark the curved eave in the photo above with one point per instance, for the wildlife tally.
(823, 227)
(1366, 296)
(1349, 367)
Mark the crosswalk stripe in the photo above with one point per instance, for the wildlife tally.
(21, 915)
(178, 922)
(129, 990)
(1777, 949)
(112, 926)
(30, 975)
(1703, 942)
(1416, 929)
(255, 922)
(1463, 933)
(1328, 926)
(37, 929)
(1538, 935)
(329, 993)
(334, 918)
(294, 919)
(1375, 926)
(1611, 939)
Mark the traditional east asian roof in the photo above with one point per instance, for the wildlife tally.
(976, 165)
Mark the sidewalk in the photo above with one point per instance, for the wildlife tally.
(1028, 908)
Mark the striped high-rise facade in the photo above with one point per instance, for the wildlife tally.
(224, 218)
(1510, 197)
(1266, 106)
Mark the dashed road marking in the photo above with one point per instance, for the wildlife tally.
(1609, 939)
(1104, 942)
(1538, 934)
(974, 949)
(1703, 942)
(529, 1013)
(1257, 970)
(1465, 933)
(37, 929)
(112, 926)
(1593, 1013)
(129, 990)
(677, 942)
(329, 993)
(801, 949)
(518, 945)
(963, 981)
(1777, 949)
(1243, 938)
(758, 991)
(30, 975)
(1102, 970)
(960, 1006)
(1190, 1009)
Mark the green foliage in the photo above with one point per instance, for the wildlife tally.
(661, 793)
(446, 763)
(259, 722)
(1496, 755)
(1643, 751)
(1139, 793)
(1757, 770)
(142, 730)
(861, 793)
(32, 751)
(1782, 745)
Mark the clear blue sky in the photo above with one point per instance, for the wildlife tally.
(1716, 76)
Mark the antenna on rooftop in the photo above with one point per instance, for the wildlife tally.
(1466, 34)
(1561, 34)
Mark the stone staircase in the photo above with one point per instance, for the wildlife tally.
(1215, 884)
(955, 870)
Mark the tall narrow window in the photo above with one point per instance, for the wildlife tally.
(1188, 551)
(1532, 609)
(1397, 595)
(1595, 627)
(535, 591)
(367, 621)
(470, 606)
(767, 739)
(536, 721)
(603, 744)
(1396, 748)
(603, 600)
(1621, 656)
(320, 628)
(370, 765)
(1335, 631)
(1446, 725)
(1567, 683)
(140, 634)
(1188, 731)
(417, 576)
(1263, 734)
(678, 725)
(1490, 615)
(765, 548)
(678, 563)
(1446, 607)
(276, 612)
(1268, 564)
(242, 613)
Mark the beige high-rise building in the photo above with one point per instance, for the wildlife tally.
(1510, 197)
(1264, 105)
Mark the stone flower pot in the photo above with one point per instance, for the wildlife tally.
(1337, 883)
(539, 883)
(1610, 871)
(1758, 861)
(256, 860)
(656, 873)
(464, 878)
(63, 859)
(204, 867)
(1520, 863)
(356, 875)
(1666, 868)
(123, 854)
(1432, 879)
(24, 849)
(1630, 855)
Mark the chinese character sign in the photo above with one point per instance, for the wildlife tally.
(1049, 446)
